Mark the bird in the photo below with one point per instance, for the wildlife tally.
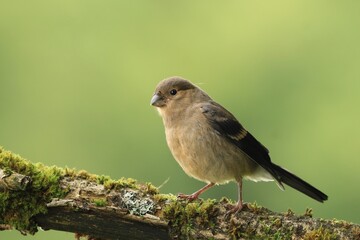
(212, 146)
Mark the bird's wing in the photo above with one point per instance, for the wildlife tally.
(228, 126)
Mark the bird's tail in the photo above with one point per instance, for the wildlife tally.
(294, 181)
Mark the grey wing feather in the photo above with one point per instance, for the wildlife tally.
(227, 125)
(230, 128)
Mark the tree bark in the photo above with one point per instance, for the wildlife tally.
(13, 181)
(102, 223)
(105, 209)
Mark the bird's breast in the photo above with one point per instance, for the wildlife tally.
(203, 153)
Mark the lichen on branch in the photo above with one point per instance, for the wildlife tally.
(43, 183)
(18, 206)
(33, 195)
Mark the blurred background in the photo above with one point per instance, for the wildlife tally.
(76, 78)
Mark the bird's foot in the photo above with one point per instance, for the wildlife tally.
(235, 209)
(196, 194)
(190, 197)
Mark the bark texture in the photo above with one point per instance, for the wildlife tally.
(101, 208)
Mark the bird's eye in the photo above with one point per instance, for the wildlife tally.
(173, 91)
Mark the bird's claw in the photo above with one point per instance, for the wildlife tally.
(235, 209)
(190, 197)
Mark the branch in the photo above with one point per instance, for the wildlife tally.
(34, 195)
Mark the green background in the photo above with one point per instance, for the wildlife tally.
(76, 78)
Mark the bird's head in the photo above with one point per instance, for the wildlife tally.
(170, 90)
(176, 93)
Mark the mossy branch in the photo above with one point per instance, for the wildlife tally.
(34, 195)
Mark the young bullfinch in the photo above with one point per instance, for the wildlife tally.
(212, 146)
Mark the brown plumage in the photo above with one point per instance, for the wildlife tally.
(212, 146)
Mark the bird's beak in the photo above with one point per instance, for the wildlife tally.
(157, 100)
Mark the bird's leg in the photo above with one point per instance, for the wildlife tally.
(239, 204)
(196, 194)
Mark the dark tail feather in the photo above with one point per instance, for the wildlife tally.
(295, 182)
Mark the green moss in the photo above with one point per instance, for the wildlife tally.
(69, 172)
(272, 228)
(320, 234)
(160, 197)
(290, 213)
(107, 181)
(102, 179)
(255, 207)
(100, 202)
(151, 189)
(18, 207)
(276, 222)
(120, 183)
(356, 231)
(308, 212)
(184, 216)
(114, 184)
(87, 176)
